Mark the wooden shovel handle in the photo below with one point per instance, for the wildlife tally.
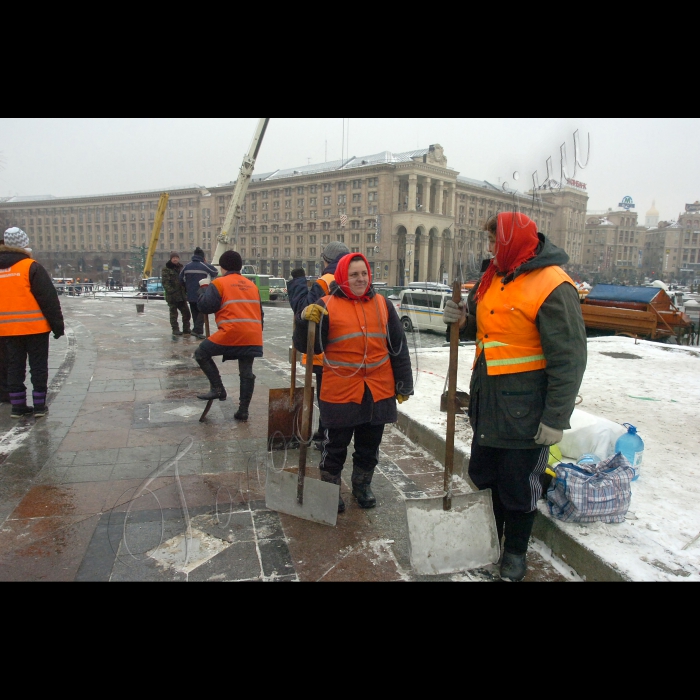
(307, 412)
(452, 401)
(294, 371)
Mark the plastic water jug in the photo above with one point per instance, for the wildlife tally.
(632, 447)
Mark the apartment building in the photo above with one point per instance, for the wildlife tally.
(415, 218)
(614, 245)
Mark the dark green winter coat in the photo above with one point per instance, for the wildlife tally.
(170, 276)
(505, 408)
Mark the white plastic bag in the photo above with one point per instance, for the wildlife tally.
(590, 434)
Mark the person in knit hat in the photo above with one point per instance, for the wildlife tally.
(525, 316)
(239, 315)
(175, 294)
(30, 309)
(300, 296)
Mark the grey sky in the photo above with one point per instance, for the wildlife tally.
(644, 158)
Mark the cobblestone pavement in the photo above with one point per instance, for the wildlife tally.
(121, 482)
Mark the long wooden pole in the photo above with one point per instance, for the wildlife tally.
(452, 401)
(308, 410)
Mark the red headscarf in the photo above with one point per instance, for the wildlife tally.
(341, 276)
(516, 243)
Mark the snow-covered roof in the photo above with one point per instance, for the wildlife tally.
(348, 164)
(50, 197)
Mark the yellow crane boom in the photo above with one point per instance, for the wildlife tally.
(155, 234)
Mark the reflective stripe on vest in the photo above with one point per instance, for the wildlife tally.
(356, 351)
(19, 310)
(240, 318)
(507, 321)
(325, 283)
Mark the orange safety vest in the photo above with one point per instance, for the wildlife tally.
(356, 352)
(325, 284)
(240, 317)
(506, 321)
(19, 310)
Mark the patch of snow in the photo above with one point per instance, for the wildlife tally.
(658, 393)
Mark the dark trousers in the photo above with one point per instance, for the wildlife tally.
(19, 348)
(3, 368)
(514, 477)
(208, 350)
(197, 319)
(334, 449)
(180, 306)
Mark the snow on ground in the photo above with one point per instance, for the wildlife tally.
(658, 391)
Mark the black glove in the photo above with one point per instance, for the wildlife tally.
(299, 272)
(58, 334)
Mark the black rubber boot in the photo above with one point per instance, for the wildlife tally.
(334, 479)
(247, 389)
(217, 390)
(513, 567)
(361, 487)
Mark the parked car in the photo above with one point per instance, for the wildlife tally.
(422, 310)
(278, 289)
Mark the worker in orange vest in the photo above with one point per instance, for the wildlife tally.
(239, 315)
(366, 369)
(300, 296)
(531, 354)
(30, 310)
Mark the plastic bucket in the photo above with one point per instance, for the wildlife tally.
(140, 308)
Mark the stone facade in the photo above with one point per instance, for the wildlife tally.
(414, 218)
(614, 246)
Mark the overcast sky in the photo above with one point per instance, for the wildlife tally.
(647, 159)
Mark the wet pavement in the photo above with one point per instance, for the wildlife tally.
(121, 482)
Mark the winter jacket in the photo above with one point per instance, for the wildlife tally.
(210, 302)
(300, 296)
(42, 287)
(193, 273)
(506, 409)
(174, 290)
(349, 415)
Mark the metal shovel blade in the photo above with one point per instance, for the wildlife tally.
(320, 498)
(449, 541)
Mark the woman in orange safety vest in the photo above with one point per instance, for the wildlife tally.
(367, 367)
(531, 354)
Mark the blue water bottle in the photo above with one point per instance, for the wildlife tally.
(632, 447)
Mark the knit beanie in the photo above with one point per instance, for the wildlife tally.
(334, 250)
(231, 261)
(174, 255)
(199, 252)
(16, 238)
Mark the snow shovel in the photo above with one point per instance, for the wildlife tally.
(284, 411)
(456, 532)
(309, 499)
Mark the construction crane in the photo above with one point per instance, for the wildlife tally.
(239, 192)
(155, 234)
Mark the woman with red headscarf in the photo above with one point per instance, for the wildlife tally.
(531, 354)
(366, 369)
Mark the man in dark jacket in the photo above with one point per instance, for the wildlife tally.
(526, 317)
(175, 294)
(300, 296)
(192, 274)
(30, 310)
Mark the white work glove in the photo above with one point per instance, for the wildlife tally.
(454, 313)
(205, 282)
(547, 436)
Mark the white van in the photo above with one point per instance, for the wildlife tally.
(422, 310)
